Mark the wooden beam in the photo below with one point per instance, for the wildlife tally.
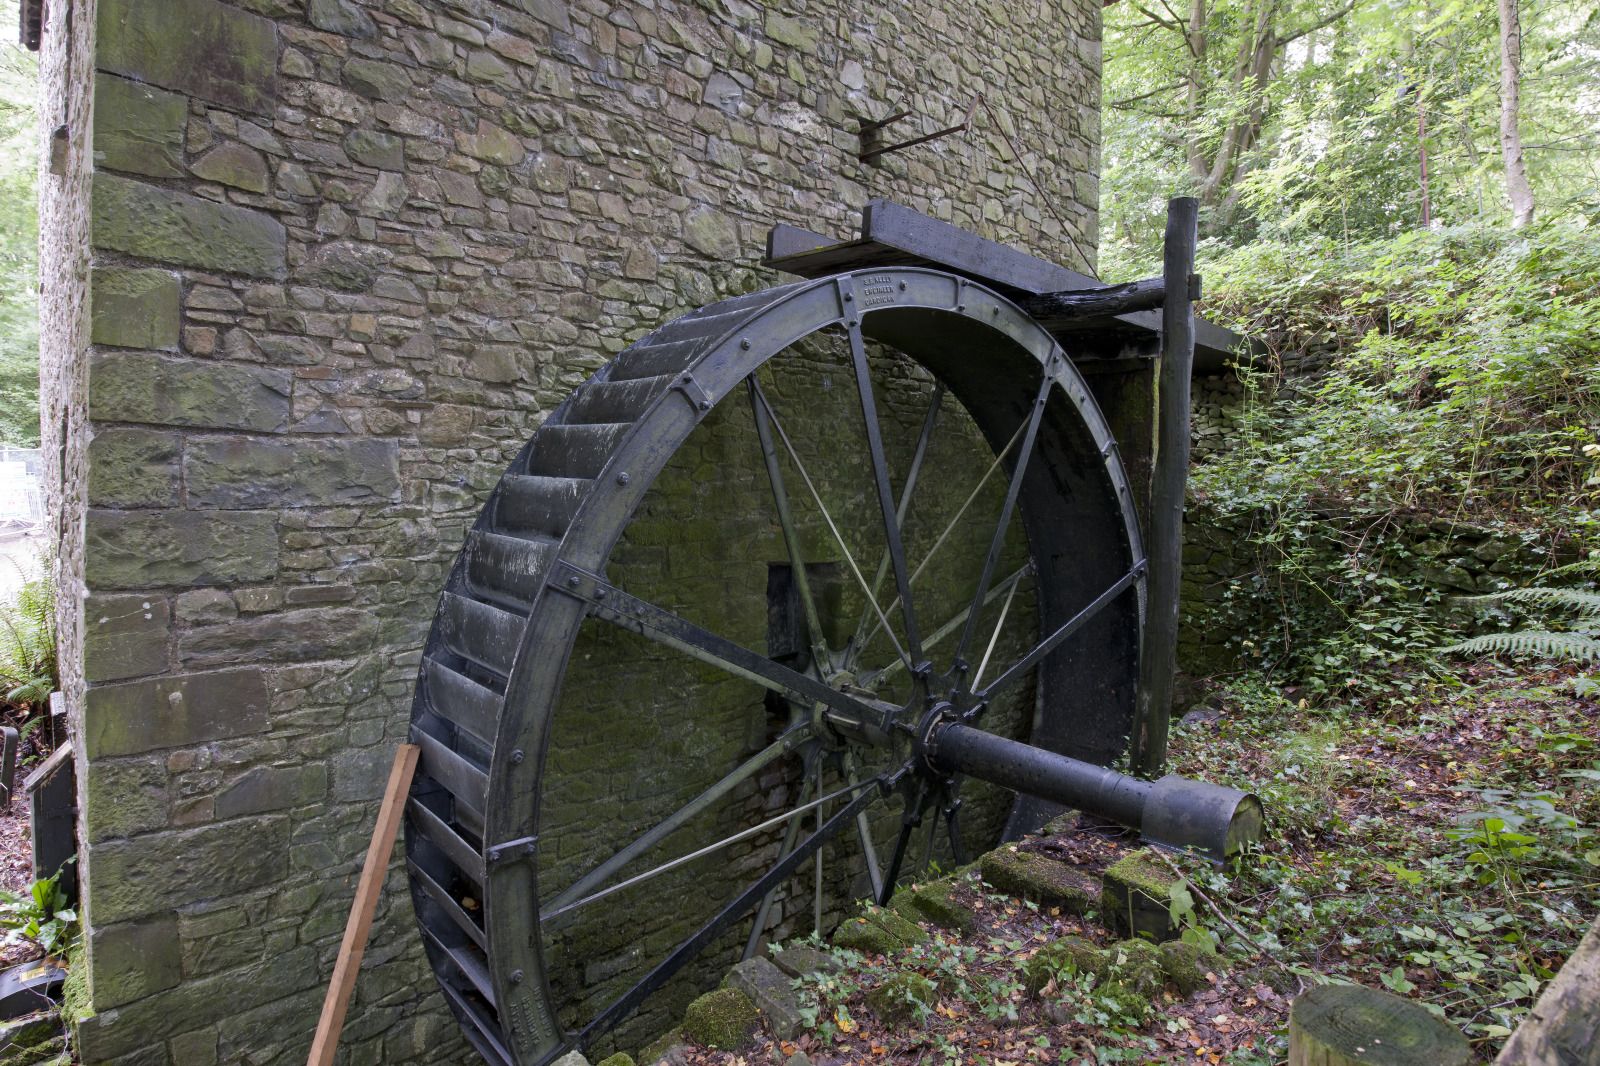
(1158, 659)
(359, 927)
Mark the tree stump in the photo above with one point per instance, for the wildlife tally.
(1351, 1025)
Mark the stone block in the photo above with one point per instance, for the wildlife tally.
(724, 1020)
(125, 797)
(1070, 955)
(711, 233)
(273, 788)
(1044, 880)
(169, 226)
(133, 308)
(249, 472)
(131, 468)
(902, 998)
(801, 961)
(161, 390)
(174, 712)
(159, 871)
(196, 1048)
(344, 265)
(234, 164)
(378, 81)
(342, 17)
(932, 902)
(373, 148)
(772, 991)
(207, 49)
(140, 549)
(492, 144)
(306, 635)
(188, 1006)
(125, 636)
(138, 128)
(134, 960)
(1136, 896)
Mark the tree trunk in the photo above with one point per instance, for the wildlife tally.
(1517, 188)
(1351, 1025)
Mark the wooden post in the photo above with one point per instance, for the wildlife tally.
(1158, 659)
(1352, 1025)
(1565, 1024)
(359, 927)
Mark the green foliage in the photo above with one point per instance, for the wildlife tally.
(19, 237)
(1295, 121)
(1579, 642)
(28, 670)
(41, 916)
(1460, 395)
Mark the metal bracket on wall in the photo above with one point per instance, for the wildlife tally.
(872, 133)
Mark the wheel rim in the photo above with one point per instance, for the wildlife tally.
(495, 663)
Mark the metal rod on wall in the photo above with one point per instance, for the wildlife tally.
(1158, 659)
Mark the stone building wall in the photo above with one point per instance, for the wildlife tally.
(345, 255)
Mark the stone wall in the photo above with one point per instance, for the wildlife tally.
(1224, 600)
(345, 257)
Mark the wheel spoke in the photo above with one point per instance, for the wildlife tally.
(791, 536)
(998, 542)
(950, 526)
(553, 913)
(909, 819)
(743, 772)
(611, 604)
(917, 456)
(790, 835)
(1072, 625)
(685, 952)
(816, 905)
(880, 477)
(849, 559)
(869, 851)
(960, 617)
(994, 638)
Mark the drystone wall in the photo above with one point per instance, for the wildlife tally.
(1224, 603)
(345, 255)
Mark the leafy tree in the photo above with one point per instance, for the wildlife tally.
(19, 238)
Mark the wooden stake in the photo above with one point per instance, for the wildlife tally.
(356, 931)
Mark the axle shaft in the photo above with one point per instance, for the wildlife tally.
(1173, 811)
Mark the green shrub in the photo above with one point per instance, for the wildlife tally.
(28, 642)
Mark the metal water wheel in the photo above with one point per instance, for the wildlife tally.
(696, 676)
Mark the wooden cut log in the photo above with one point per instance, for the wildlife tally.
(1352, 1025)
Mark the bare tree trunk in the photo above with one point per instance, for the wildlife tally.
(1517, 188)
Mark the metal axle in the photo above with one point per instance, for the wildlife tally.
(1173, 811)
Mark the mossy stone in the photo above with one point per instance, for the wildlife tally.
(877, 932)
(723, 1020)
(1186, 965)
(134, 308)
(932, 903)
(1136, 895)
(619, 1059)
(1136, 966)
(896, 1000)
(1041, 879)
(1070, 955)
(660, 1047)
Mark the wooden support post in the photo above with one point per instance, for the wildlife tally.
(1352, 1025)
(359, 927)
(1158, 659)
(1564, 1025)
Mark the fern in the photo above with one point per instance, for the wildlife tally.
(1582, 602)
(1540, 644)
(28, 642)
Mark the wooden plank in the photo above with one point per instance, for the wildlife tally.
(1563, 1029)
(895, 235)
(897, 226)
(359, 927)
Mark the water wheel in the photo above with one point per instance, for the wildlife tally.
(681, 689)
